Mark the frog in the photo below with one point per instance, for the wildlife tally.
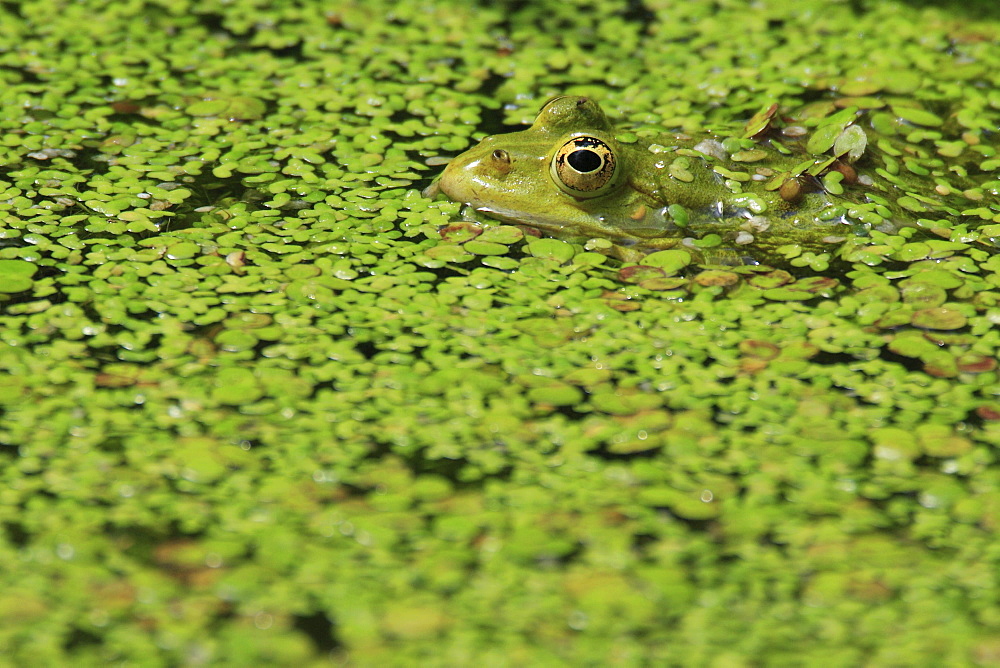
(766, 193)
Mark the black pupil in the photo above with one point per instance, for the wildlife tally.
(584, 160)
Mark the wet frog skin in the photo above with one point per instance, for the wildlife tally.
(781, 186)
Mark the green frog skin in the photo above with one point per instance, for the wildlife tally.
(573, 176)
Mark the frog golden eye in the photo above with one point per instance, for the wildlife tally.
(584, 167)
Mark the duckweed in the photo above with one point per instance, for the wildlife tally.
(264, 404)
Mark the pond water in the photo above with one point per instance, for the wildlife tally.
(263, 402)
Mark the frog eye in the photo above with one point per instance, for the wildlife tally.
(584, 166)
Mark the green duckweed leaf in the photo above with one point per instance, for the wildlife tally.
(918, 116)
(16, 275)
(939, 318)
(670, 261)
(551, 249)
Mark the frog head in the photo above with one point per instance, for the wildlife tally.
(565, 173)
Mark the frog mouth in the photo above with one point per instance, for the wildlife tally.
(544, 224)
(455, 190)
(547, 222)
(516, 218)
(443, 187)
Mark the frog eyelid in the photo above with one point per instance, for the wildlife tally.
(584, 166)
